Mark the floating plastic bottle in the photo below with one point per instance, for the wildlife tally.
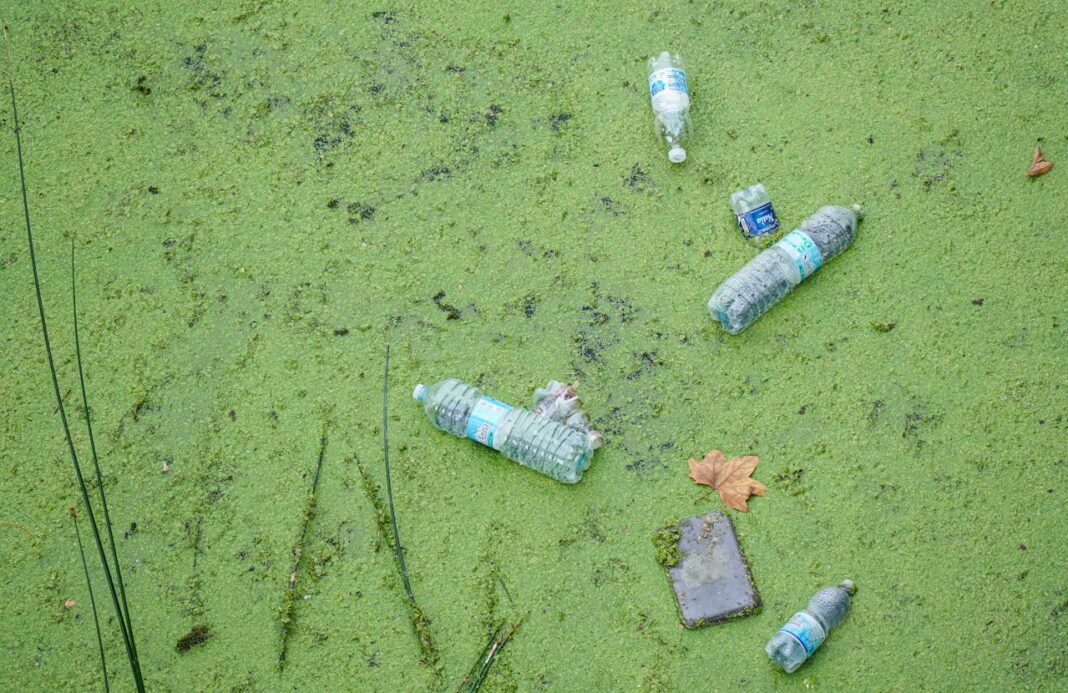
(670, 96)
(806, 630)
(756, 216)
(772, 274)
(560, 402)
(533, 440)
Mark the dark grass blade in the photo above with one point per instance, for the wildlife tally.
(389, 482)
(92, 600)
(289, 598)
(96, 462)
(135, 666)
(420, 623)
(477, 675)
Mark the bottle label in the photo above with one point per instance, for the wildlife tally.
(803, 251)
(669, 84)
(806, 630)
(485, 416)
(758, 222)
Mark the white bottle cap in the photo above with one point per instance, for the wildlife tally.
(677, 155)
(419, 392)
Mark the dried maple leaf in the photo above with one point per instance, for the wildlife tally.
(1039, 164)
(732, 478)
(1040, 168)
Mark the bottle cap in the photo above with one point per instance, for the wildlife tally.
(848, 586)
(419, 392)
(677, 155)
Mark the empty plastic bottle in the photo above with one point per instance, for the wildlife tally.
(756, 216)
(772, 274)
(670, 96)
(534, 441)
(806, 630)
(560, 402)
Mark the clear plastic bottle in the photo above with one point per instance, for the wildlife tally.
(806, 630)
(756, 216)
(670, 96)
(560, 402)
(772, 274)
(534, 441)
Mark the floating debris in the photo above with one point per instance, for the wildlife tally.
(1039, 164)
(707, 569)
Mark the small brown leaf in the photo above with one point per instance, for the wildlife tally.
(732, 478)
(69, 603)
(1039, 168)
(1037, 156)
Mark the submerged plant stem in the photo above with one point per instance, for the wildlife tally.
(92, 600)
(477, 675)
(11, 523)
(127, 634)
(289, 599)
(420, 623)
(92, 449)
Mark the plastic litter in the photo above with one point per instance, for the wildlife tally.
(557, 442)
(670, 96)
(772, 274)
(560, 402)
(756, 216)
(708, 572)
(806, 630)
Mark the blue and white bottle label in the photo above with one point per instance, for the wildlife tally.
(758, 222)
(485, 417)
(803, 251)
(806, 630)
(668, 79)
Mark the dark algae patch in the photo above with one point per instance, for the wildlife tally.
(451, 312)
(197, 636)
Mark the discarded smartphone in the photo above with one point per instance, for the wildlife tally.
(707, 570)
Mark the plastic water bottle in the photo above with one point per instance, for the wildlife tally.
(806, 630)
(670, 96)
(756, 216)
(559, 402)
(772, 274)
(534, 441)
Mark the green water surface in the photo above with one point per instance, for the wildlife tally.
(264, 194)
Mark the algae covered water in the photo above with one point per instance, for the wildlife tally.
(262, 195)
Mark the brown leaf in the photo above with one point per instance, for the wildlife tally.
(732, 478)
(69, 603)
(1040, 167)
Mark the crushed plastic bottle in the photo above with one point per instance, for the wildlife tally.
(756, 216)
(670, 96)
(806, 630)
(560, 402)
(539, 442)
(772, 274)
